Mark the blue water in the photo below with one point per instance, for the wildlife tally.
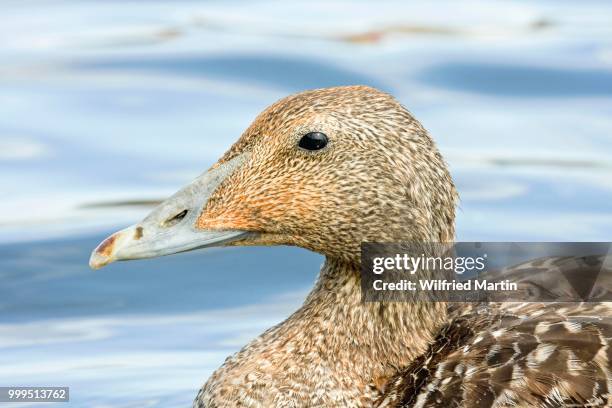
(44, 280)
(105, 106)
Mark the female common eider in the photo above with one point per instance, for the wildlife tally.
(327, 170)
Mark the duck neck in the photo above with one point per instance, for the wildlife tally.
(374, 338)
(333, 351)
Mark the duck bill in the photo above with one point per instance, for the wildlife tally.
(171, 227)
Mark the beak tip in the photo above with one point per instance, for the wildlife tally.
(104, 253)
(97, 260)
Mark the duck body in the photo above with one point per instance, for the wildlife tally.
(481, 355)
(327, 170)
(512, 355)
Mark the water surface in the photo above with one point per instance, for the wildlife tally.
(108, 106)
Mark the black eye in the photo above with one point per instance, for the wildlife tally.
(175, 219)
(313, 141)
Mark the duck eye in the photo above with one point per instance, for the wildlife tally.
(175, 219)
(313, 141)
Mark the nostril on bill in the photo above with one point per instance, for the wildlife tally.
(175, 219)
(138, 233)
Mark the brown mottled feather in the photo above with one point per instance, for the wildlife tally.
(498, 355)
(520, 354)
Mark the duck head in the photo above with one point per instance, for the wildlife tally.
(325, 170)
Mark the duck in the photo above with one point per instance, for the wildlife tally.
(327, 170)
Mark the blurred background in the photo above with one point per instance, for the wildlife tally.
(109, 106)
